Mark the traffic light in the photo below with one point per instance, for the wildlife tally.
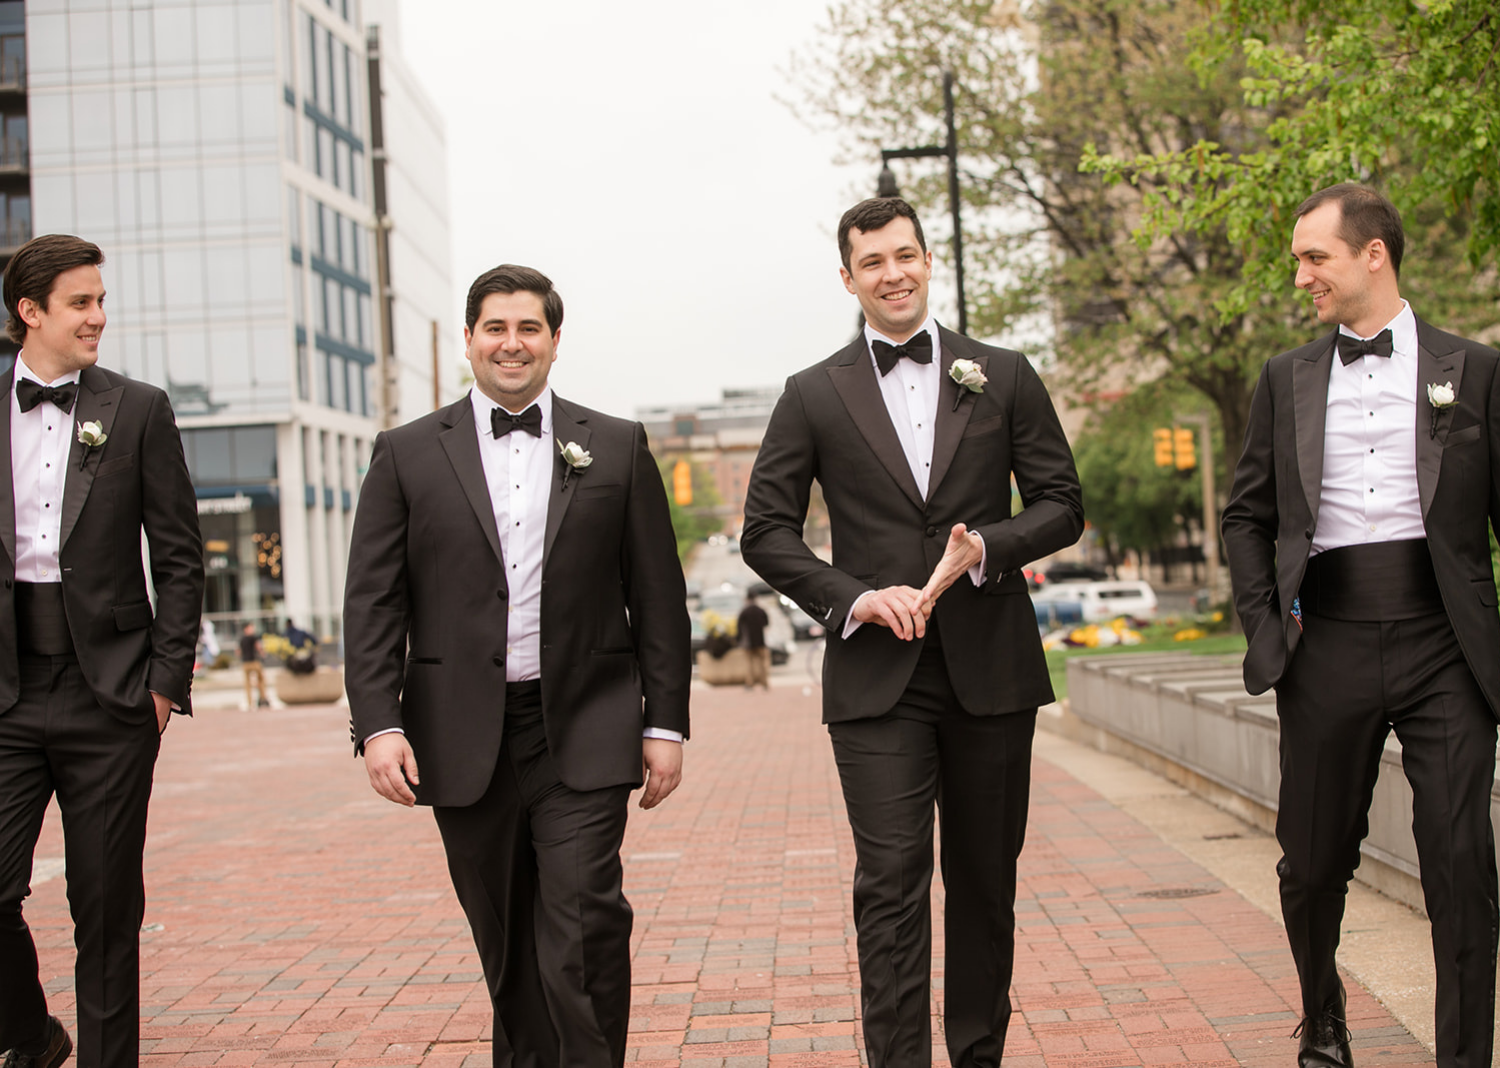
(682, 483)
(1184, 446)
(1163, 438)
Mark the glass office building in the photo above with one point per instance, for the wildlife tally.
(219, 151)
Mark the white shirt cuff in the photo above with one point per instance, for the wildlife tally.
(388, 730)
(851, 624)
(976, 573)
(663, 733)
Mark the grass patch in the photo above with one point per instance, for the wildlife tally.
(1057, 659)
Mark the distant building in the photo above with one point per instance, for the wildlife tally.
(221, 155)
(722, 437)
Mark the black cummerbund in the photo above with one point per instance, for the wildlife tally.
(1379, 582)
(41, 620)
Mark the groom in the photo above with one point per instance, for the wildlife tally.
(930, 696)
(515, 620)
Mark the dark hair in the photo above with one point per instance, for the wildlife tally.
(34, 268)
(874, 214)
(509, 278)
(1364, 215)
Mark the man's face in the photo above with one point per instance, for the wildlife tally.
(64, 336)
(511, 349)
(1339, 278)
(889, 272)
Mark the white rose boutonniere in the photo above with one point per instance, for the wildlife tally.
(91, 435)
(1439, 397)
(576, 457)
(967, 374)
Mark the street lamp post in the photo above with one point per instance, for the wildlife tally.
(887, 188)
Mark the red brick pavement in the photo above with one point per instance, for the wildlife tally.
(295, 919)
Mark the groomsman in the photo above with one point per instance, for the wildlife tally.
(89, 673)
(515, 619)
(915, 433)
(1358, 539)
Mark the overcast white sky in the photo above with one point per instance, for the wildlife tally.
(635, 153)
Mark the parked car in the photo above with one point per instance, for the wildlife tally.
(1074, 572)
(1100, 602)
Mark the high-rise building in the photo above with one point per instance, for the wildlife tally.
(221, 155)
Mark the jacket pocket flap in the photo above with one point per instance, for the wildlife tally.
(606, 489)
(1463, 434)
(984, 426)
(132, 616)
(119, 463)
(1485, 588)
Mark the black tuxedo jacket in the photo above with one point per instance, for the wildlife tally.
(137, 479)
(832, 425)
(425, 605)
(1272, 513)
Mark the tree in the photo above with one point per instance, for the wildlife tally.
(1032, 96)
(1399, 94)
(694, 522)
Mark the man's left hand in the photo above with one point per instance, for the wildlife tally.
(963, 551)
(662, 761)
(163, 711)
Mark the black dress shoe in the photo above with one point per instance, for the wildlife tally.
(59, 1045)
(1324, 1041)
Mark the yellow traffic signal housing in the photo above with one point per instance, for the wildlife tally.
(1163, 439)
(1184, 448)
(682, 483)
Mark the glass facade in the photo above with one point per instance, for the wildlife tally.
(234, 470)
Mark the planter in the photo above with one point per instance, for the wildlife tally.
(323, 687)
(731, 669)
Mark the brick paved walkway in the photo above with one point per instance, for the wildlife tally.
(294, 919)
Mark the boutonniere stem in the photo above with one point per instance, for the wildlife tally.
(1440, 398)
(575, 457)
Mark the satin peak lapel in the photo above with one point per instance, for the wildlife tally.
(96, 403)
(854, 379)
(7, 484)
(1433, 368)
(565, 428)
(462, 447)
(948, 429)
(1310, 415)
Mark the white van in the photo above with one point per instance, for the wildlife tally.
(1102, 601)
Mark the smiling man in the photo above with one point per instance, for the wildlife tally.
(1358, 540)
(89, 674)
(934, 670)
(517, 645)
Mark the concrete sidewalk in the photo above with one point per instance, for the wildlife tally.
(294, 918)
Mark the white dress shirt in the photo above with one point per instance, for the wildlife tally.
(911, 393)
(1369, 491)
(39, 444)
(518, 472)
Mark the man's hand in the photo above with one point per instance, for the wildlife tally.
(661, 759)
(963, 551)
(163, 711)
(900, 608)
(391, 764)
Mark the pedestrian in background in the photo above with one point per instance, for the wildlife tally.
(250, 654)
(751, 629)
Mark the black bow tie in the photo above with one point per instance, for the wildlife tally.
(30, 394)
(917, 349)
(1352, 348)
(502, 422)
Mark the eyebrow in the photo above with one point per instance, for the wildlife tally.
(500, 321)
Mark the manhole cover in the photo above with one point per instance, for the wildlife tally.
(1178, 891)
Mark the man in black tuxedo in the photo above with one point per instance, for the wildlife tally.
(1357, 534)
(930, 697)
(89, 674)
(515, 619)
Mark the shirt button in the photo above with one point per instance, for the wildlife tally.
(1372, 526)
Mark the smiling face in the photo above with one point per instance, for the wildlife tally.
(511, 349)
(1348, 286)
(888, 271)
(64, 336)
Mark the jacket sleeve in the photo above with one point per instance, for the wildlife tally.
(656, 594)
(1250, 518)
(377, 600)
(169, 515)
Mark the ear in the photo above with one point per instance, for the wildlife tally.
(29, 311)
(468, 339)
(556, 340)
(928, 258)
(1379, 255)
(848, 278)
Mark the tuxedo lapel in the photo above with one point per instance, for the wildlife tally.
(7, 484)
(1434, 367)
(1310, 414)
(567, 426)
(854, 379)
(96, 403)
(462, 446)
(952, 418)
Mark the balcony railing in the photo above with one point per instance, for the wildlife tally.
(15, 153)
(14, 233)
(13, 74)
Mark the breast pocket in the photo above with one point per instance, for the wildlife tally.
(607, 489)
(124, 463)
(979, 427)
(1462, 436)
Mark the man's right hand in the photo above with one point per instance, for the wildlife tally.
(391, 764)
(900, 608)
